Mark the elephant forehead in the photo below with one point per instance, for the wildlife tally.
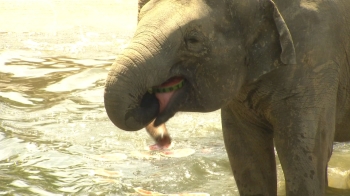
(168, 12)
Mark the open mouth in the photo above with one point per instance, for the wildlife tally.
(167, 96)
(166, 90)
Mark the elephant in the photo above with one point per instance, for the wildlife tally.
(278, 70)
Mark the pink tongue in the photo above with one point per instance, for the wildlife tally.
(164, 99)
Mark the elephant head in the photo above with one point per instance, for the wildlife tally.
(215, 46)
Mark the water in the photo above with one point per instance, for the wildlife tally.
(55, 137)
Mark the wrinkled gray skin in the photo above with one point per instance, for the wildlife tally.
(278, 70)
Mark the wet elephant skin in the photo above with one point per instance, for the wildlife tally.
(278, 70)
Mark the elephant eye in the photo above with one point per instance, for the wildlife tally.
(192, 40)
(192, 37)
(195, 40)
(193, 43)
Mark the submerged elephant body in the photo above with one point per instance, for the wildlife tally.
(279, 70)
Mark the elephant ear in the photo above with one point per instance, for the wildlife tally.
(288, 52)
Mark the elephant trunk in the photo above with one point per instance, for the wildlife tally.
(139, 68)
